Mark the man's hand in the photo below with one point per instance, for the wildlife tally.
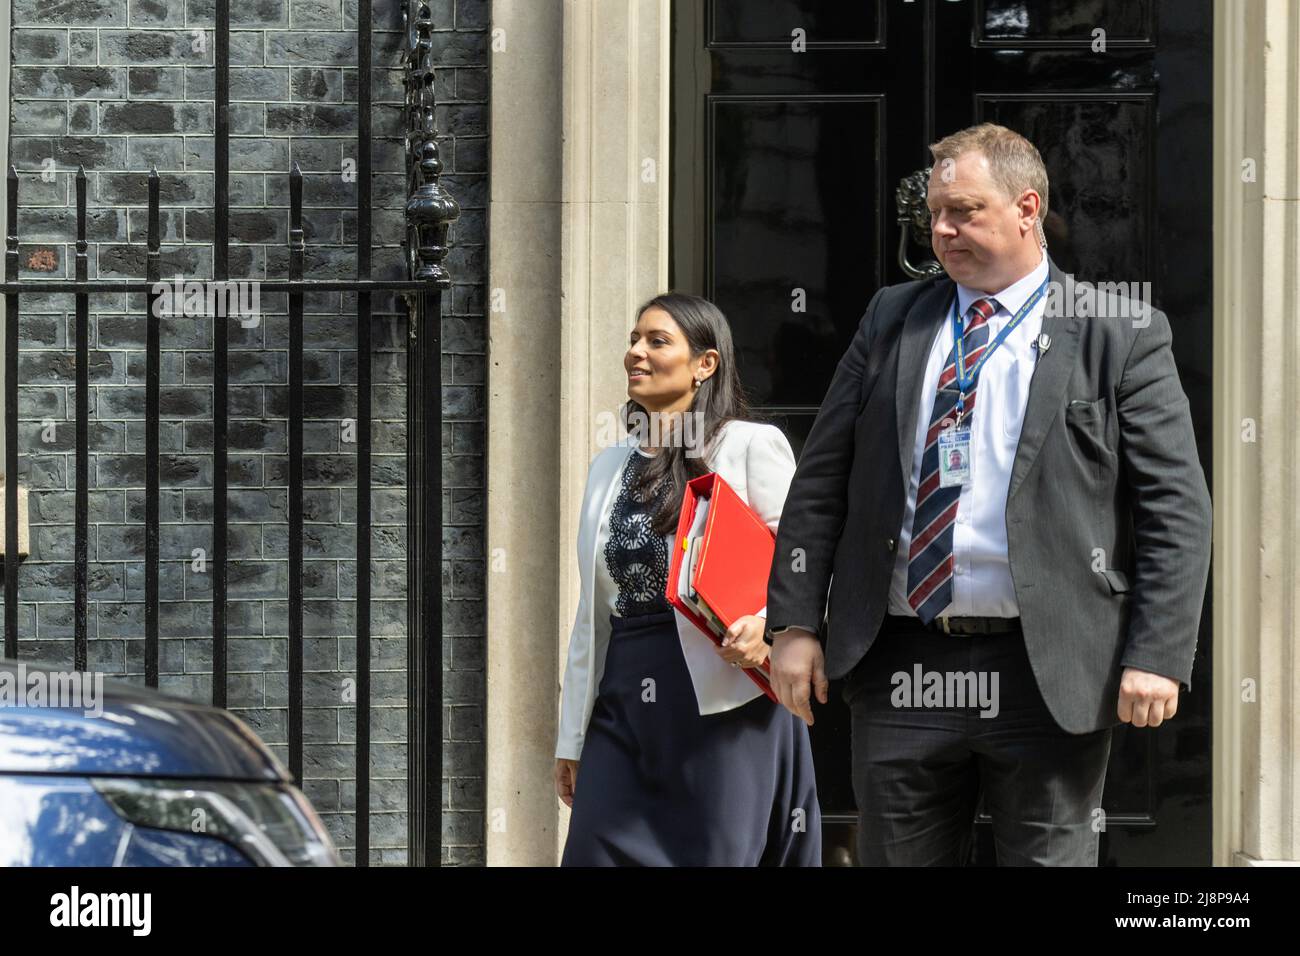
(798, 667)
(1146, 700)
(743, 644)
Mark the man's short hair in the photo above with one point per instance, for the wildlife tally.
(1014, 162)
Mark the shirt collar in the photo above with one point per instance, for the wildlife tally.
(1009, 299)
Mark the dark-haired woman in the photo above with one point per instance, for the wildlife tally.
(668, 754)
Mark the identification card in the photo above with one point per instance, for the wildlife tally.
(954, 457)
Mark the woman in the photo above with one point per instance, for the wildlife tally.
(668, 754)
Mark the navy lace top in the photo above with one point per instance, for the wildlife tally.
(635, 556)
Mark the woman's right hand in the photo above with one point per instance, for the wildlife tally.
(566, 778)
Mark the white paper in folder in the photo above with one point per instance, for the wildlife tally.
(693, 538)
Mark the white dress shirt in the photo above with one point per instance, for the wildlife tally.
(981, 577)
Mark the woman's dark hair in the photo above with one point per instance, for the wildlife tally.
(717, 401)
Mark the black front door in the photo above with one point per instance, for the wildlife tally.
(794, 121)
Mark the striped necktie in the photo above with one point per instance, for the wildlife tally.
(929, 557)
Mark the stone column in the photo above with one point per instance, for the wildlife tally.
(577, 239)
(1256, 448)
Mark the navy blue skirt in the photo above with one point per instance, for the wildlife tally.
(660, 785)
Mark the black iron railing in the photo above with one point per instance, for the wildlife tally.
(429, 211)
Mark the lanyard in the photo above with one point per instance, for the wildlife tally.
(966, 381)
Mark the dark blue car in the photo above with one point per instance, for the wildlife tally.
(132, 777)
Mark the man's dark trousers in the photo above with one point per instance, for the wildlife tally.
(918, 771)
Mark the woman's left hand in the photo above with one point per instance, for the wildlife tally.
(743, 644)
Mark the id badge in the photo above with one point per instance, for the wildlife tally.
(954, 457)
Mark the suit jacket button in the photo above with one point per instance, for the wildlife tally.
(891, 544)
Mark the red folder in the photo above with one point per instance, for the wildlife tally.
(732, 563)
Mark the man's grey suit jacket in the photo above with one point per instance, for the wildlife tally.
(1108, 514)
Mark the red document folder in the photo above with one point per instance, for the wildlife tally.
(732, 561)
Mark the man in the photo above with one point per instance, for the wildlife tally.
(1031, 520)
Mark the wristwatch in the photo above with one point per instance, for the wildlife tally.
(771, 631)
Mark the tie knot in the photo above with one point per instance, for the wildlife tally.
(981, 310)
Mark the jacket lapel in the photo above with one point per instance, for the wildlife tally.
(1051, 374)
(603, 488)
(928, 312)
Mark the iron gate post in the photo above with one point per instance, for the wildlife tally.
(429, 213)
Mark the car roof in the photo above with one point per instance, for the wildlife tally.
(117, 728)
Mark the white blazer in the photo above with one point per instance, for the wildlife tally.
(756, 461)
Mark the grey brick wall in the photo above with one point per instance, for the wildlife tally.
(116, 85)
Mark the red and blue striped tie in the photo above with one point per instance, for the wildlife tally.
(929, 558)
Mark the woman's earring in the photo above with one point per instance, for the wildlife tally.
(698, 383)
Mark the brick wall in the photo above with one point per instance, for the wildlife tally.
(117, 85)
